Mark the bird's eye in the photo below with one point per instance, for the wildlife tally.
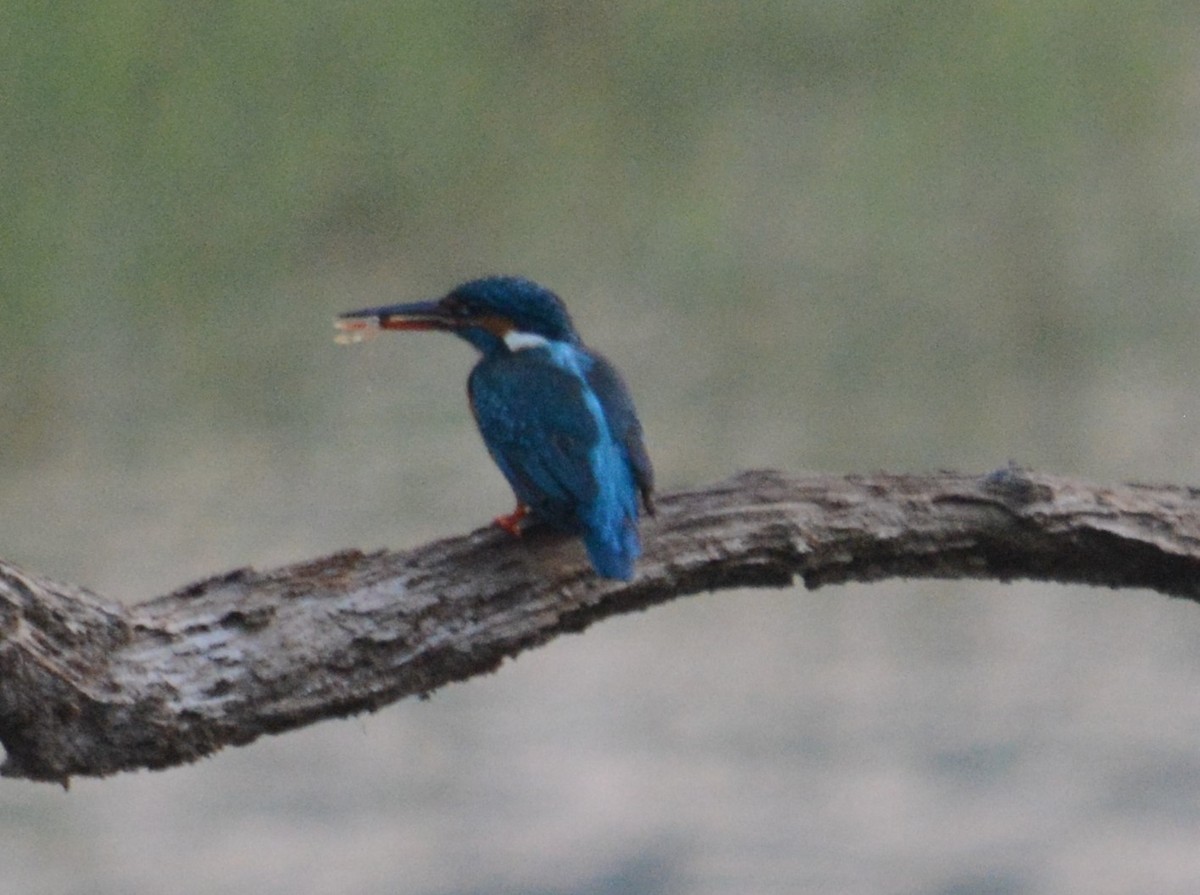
(456, 307)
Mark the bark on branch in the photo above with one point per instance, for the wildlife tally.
(89, 686)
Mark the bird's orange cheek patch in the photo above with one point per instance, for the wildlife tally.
(495, 324)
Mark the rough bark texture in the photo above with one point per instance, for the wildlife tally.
(89, 686)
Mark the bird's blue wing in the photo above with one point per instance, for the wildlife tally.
(537, 426)
(573, 456)
(614, 397)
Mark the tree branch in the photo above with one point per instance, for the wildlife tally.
(92, 687)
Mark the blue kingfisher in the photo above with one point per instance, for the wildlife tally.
(555, 416)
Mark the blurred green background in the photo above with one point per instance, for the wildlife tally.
(831, 236)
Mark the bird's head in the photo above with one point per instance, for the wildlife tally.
(495, 314)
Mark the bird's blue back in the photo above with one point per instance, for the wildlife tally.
(559, 423)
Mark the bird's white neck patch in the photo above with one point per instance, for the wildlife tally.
(516, 340)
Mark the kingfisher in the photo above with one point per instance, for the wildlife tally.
(557, 417)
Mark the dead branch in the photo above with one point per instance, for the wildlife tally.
(90, 686)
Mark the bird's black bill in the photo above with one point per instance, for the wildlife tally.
(357, 325)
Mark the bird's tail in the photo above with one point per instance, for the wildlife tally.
(613, 553)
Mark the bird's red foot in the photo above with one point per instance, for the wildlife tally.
(512, 522)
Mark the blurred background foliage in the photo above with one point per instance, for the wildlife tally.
(838, 236)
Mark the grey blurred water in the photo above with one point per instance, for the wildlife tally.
(846, 238)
